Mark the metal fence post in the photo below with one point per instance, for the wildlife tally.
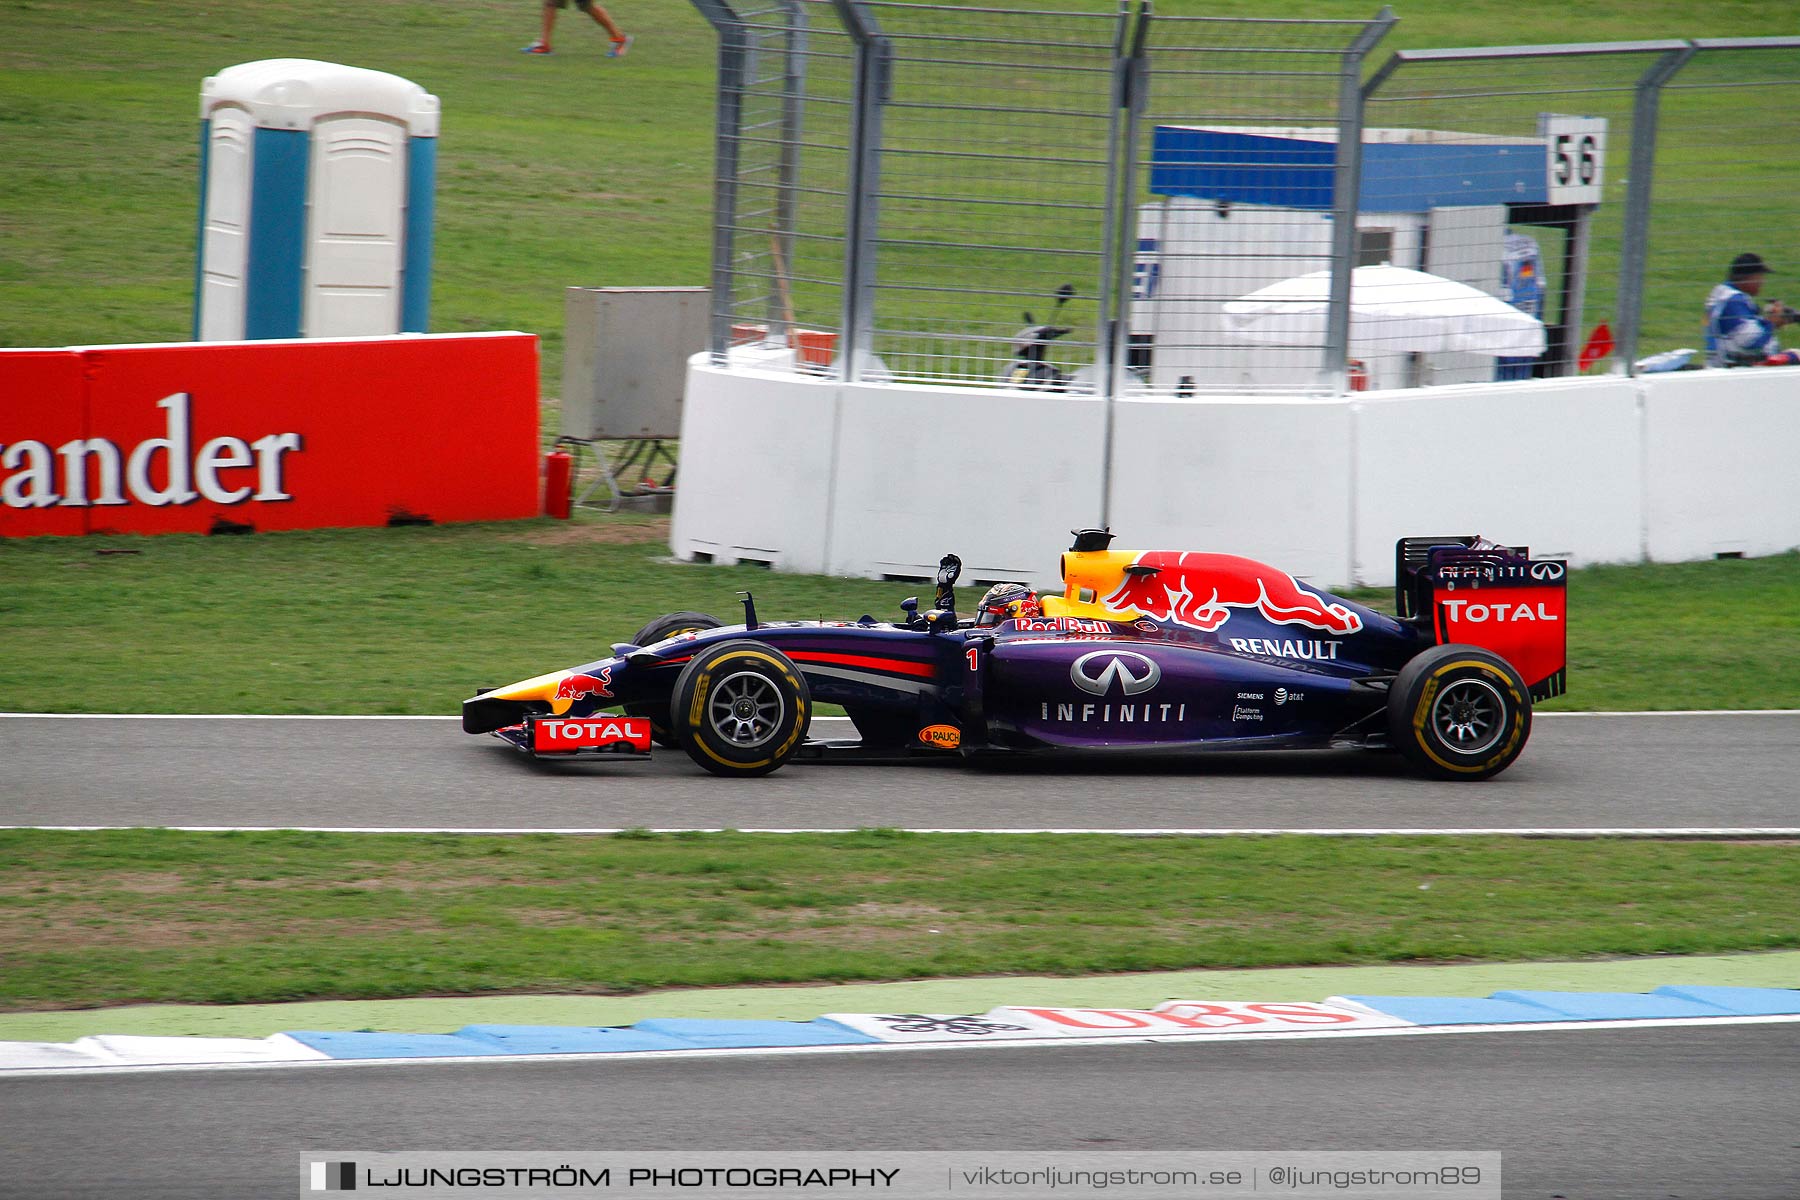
(1634, 248)
(874, 63)
(733, 50)
(1119, 256)
(1346, 196)
(793, 115)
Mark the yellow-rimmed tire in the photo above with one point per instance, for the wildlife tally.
(740, 709)
(1459, 712)
(661, 630)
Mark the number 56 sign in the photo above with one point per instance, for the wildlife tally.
(1574, 157)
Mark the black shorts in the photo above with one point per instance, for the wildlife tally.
(583, 5)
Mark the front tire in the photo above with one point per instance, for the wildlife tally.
(661, 630)
(741, 709)
(1459, 712)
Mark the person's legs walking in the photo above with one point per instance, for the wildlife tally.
(621, 41)
(542, 45)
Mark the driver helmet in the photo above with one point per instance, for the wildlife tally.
(1005, 600)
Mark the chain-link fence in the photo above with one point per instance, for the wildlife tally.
(1520, 161)
(1726, 178)
(786, 115)
(1657, 169)
(996, 154)
(1240, 190)
(1092, 198)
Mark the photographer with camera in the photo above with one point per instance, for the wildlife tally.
(1737, 333)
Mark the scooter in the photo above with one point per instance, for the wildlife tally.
(1030, 368)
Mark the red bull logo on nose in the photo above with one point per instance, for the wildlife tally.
(1201, 590)
(574, 687)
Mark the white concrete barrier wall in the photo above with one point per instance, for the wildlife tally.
(1268, 478)
(756, 466)
(1723, 463)
(872, 480)
(1551, 464)
(998, 481)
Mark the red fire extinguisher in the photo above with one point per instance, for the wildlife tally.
(559, 469)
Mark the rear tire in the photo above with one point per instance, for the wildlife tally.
(661, 630)
(1459, 712)
(741, 709)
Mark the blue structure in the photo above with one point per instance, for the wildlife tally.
(1414, 175)
(317, 187)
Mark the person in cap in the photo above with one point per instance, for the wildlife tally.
(1738, 333)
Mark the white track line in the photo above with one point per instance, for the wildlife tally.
(906, 1047)
(1543, 832)
(1482, 831)
(1671, 712)
(215, 717)
(1542, 716)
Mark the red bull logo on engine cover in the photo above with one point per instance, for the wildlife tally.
(1201, 590)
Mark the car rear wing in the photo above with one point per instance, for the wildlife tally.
(1471, 591)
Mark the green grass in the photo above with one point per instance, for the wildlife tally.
(138, 915)
(412, 620)
(577, 170)
(567, 170)
(572, 170)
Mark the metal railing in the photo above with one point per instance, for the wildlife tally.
(1088, 196)
(1725, 183)
(786, 129)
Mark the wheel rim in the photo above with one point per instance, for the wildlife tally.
(1469, 716)
(746, 709)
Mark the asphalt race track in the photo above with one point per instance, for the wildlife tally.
(1623, 1114)
(1683, 771)
(1602, 1114)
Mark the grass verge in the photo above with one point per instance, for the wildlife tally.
(573, 169)
(141, 915)
(412, 620)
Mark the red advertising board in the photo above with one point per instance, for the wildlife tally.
(43, 406)
(194, 437)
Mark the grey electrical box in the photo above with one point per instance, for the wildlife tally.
(625, 353)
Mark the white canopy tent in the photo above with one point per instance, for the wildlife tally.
(1392, 309)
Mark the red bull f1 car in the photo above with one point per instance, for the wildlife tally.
(1155, 651)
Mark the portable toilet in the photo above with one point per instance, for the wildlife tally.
(316, 194)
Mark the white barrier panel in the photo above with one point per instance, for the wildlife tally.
(1721, 449)
(756, 467)
(1551, 464)
(997, 479)
(868, 479)
(1268, 478)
